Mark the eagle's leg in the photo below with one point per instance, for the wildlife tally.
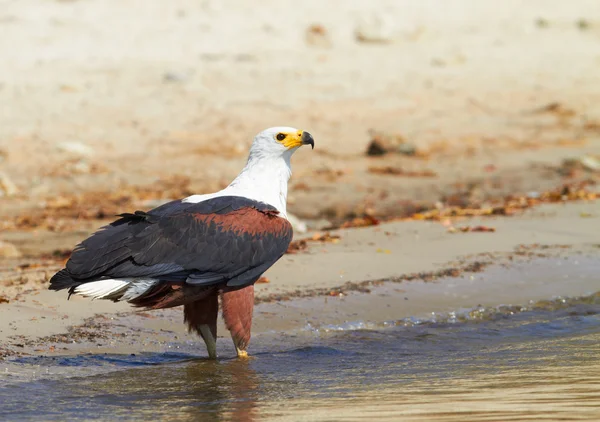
(238, 305)
(201, 316)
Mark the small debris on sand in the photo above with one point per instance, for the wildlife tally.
(75, 166)
(317, 36)
(302, 244)
(382, 143)
(63, 212)
(297, 246)
(512, 204)
(583, 24)
(397, 171)
(325, 237)
(365, 221)
(475, 229)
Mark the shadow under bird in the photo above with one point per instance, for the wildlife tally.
(191, 251)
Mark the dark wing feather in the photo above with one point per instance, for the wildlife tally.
(226, 239)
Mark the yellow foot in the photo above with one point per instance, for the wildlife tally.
(242, 354)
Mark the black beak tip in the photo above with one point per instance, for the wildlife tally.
(307, 139)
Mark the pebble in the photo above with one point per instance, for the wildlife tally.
(75, 148)
(375, 29)
(376, 148)
(173, 76)
(8, 250)
(590, 163)
(407, 149)
(298, 225)
(81, 167)
(320, 224)
(7, 187)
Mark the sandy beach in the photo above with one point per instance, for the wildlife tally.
(453, 141)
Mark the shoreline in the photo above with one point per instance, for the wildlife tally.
(38, 321)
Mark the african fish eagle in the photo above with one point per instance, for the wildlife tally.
(191, 251)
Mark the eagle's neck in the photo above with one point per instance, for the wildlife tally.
(264, 179)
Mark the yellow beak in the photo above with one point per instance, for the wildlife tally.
(294, 140)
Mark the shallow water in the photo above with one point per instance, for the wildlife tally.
(535, 361)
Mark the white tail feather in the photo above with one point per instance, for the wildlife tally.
(125, 289)
(102, 288)
(138, 288)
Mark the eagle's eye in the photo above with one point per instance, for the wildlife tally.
(280, 136)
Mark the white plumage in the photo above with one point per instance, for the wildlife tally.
(102, 288)
(125, 289)
(265, 176)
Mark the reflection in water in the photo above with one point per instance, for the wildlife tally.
(196, 389)
(533, 365)
(228, 390)
(200, 390)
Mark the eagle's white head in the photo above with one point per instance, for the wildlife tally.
(279, 142)
(268, 169)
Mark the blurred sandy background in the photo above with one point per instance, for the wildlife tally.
(97, 95)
